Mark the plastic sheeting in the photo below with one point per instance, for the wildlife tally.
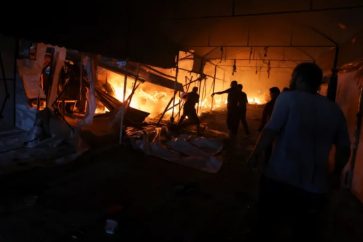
(30, 71)
(349, 83)
(60, 55)
(91, 68)
(196, 152)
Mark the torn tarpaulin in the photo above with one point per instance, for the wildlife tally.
(195, 152)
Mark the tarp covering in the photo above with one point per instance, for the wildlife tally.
(348, 93)
(140, 71)
(196, 152)
(60, 56)
(30, 71)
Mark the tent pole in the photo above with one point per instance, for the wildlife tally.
(166, 109)
(204, 92)
(200, 85)
(176, 80)
(124, 91)
(122, 110)
(80, 79)
(213, 86)
(129, 98)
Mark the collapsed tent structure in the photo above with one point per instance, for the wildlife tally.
(257, 43)
(80, 98)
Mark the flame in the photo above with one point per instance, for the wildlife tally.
(154, 99)
(147, 97)
(42, 104)
(255, 100)
(101, 109)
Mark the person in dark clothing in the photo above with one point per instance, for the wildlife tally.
(232, 108)
(267, 111)
(266, 114)
(242, 106)
(189, 110)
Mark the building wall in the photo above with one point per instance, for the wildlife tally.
(8, 53)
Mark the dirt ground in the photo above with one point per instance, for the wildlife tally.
(151, 199)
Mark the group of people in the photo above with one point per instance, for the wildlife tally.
(299, 127)
(236, 108)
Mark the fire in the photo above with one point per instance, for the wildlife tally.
(255, 100)
(101, 109)
(147, 97)
(154, 99)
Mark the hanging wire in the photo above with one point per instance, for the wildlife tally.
(265, 51)
(234, 68)
(250, 57)
(222, 51)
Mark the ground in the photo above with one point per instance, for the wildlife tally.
(151, 199)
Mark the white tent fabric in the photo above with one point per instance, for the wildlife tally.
(30, 71)
(60, 56)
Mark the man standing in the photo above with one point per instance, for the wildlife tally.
(267, 111)
(232, 108)
(296, 180)
(242, 106)
(189, 110)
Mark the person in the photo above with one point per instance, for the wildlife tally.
(267, 110)
(242, 106)
(295, 182)
(266, 114)
(232, 108)
(189, 110)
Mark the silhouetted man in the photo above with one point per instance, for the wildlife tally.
(242, 107)
(232, 108)
(267, 110)
(189, 110)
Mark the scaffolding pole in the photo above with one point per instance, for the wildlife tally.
(166, 109)
(122, 111)
(176, 80)
(213, 86)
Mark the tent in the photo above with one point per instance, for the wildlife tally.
(257, 42)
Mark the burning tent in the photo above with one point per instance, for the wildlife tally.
(89, 95)
(91, 98)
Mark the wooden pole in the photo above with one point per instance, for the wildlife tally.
(80, 79)
(213, 86)
(122, 111)
(200, 85)
(124, 91)
(166, 109)
(175, 91)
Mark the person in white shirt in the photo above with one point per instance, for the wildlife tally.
(295, 182)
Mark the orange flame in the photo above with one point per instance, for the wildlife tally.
(148, 97)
